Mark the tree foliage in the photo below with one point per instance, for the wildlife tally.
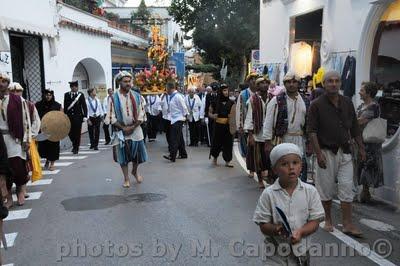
(221, 29)
(141, 18)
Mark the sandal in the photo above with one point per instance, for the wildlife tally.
(52, 168)
(229, 165)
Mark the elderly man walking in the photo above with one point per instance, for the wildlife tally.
(332, 124)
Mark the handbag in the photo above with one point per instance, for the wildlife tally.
(375, 131)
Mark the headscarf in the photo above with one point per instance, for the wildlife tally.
(284, 149)
(221, 98)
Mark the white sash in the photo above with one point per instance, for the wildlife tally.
(74, 102)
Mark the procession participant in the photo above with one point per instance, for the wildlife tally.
(178, 112)
(286, 118)
(193, 103)
(256, 159)
(76, 110)
(94, 117)
(210, 97)
(153, 110)
(241, 112)
(17, 89)
(166, 117)
(48, 150)
(220, 110)
(5, 170)
(106, 127)
(202, 93)
(15, 127)
(332, 124)
(299, 201)
(126, 113)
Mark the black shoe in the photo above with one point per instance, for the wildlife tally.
(169, 158)
(182, 157)
(91, 147)
(74, 151)
(107, 142)
(96, 148)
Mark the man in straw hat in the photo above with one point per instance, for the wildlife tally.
(332, 124)
(76, 110)
(256, 159)
(15, 127)
(286, 118)
(126, 113)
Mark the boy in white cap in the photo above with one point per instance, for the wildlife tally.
(298, 200)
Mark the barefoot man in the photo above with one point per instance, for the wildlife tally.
(332, 123)
(125, 112)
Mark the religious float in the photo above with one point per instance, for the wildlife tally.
(153, 80)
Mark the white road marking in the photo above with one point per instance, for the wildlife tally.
(40, 182)
(11, 264)
(100, 149)
(46, 172)
(32, 196)
(360, 248)
(18, 215)
(377, 225)
(58, 164)
(10, 239)
(81, 152)
(70, 158)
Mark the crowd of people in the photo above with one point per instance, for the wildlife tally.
(279, 129)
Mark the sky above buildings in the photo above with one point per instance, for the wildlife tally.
(149, 2)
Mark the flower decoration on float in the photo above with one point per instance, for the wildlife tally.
(153, 80)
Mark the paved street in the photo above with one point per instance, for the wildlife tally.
(179, 207)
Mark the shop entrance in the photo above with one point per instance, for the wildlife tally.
(305, 43)
(385, 65)
(27, 64)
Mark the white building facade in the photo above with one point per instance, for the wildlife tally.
(368, 31)
(55, 44)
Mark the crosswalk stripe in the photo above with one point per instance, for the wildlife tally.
(69, 158)
(58, 164)
(40, 182)
(11, 264)
(81, 152)
(32, 196)
(100, 149)
(46, 172)
(18, 215)
(10, 239)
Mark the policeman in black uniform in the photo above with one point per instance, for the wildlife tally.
(76, 109)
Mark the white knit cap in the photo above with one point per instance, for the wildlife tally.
(284, 149)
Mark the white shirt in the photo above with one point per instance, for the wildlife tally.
(153, 104)
(97, 109)
(249, 123)
(177, 107)
(163, 107)
(35, 128)
(125, 101)
(303, 206)
(241, 116)
(194, 106)
(14, 147)
(296, 108)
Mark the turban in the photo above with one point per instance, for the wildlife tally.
(284, 149)
(290, 76)
(261, 79)
(123, 74)
(330, 74)
(15, 86)
(4, 76)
